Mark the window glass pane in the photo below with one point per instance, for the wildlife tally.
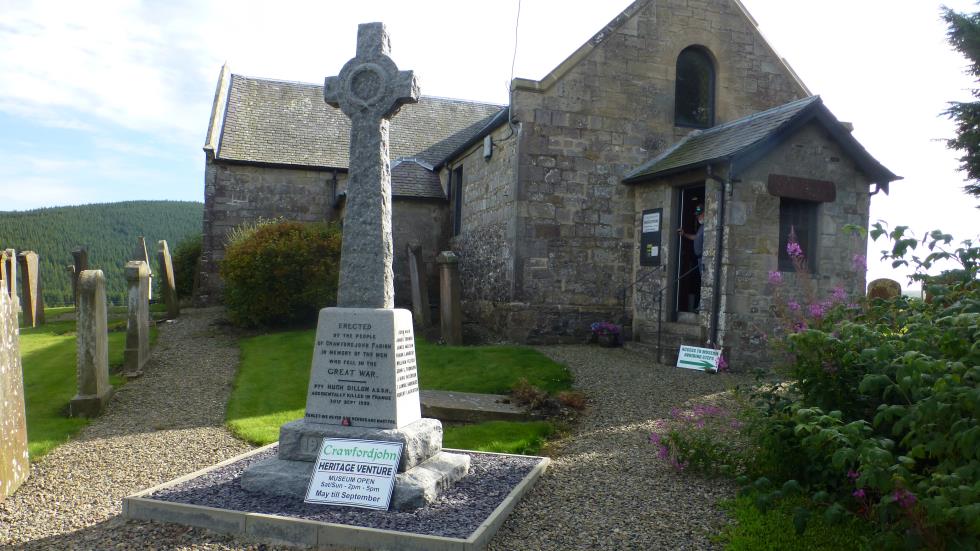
(694, 91)
(800, 218)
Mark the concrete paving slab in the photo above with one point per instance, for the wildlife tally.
(470, 407)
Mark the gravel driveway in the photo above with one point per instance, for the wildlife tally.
(604, 490)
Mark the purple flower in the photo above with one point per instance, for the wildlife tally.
(817, 310)
(775, 278)
(859, 263)
(853, 475)
(853, 306)
(655, 438)
(675, 413)
(722, 365)
(735, 424)
(794, 250)
(663, 452)
(799, 327)
(700, 423)
(903, 497)
(793, 305)
(859, 493)
(839, 296)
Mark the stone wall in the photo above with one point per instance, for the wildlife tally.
(604, 111)
(238, 193)
(425, 221)
(486, 245)
(753, 243)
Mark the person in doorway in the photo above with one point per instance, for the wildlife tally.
(697, 237)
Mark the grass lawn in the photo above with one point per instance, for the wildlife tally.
(774, 529)
(270, 388)
(49, 356)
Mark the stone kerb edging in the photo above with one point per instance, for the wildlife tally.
(294, 531)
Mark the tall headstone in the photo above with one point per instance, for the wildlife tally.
(80, 257)
(420, 288)
(32, 303)
(139, 253)
(450, 311)
(363, 382)
(138, 319)
(92, 336)
(10, 262)
(168, 286)
(14, 464)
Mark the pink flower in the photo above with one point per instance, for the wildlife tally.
(817, 310)
(799, 327)
(775, 278)
(722, 364)
(904, 498)
(794, 250)
(663, 452)
(793, 305)
(655, 438)
(853, 475)
(839, 295)
(859, 493)
(859, 262)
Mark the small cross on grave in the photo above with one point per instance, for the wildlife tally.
(370, 90)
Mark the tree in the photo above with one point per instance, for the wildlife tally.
(964, 35)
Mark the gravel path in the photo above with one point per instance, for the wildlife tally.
(604, 489)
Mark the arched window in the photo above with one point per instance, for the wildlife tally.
(694, 94)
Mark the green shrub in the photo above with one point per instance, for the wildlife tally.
(881, 419)
(281, 273)
(186, 258)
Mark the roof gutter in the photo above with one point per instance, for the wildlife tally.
(501, 117)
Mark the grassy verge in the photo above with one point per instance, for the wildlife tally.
(270, 388)
(757, 531)
(49, 356)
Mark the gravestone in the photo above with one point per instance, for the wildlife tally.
(139, 253)
(138, 319)
(32, 302)
(363, 381)
(168, 287)
(80, 256)
(14, 463)
(450, 311)
(92, 336)
(10, 263)
(3, 271)
(420, 289)
(884, 288)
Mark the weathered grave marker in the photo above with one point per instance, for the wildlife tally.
(420, 289)
(14, 463)
(139, 253)
(168, 287)
(363, 382)
(138, 320)
(10, 263)
(450, 311)
(884, 288)
(92, 335)
(80, 257)
(32, 302)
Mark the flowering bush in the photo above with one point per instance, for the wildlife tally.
(600, 328)
(704, 438)
(881, 417)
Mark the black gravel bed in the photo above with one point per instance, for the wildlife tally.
(457, 513)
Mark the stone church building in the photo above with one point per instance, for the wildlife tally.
(563, 207)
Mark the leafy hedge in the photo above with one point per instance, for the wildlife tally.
(186, 259)
(280, 273)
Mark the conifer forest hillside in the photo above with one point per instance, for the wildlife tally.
(108, 230)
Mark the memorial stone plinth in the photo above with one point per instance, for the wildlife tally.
(14, 463)
(92, 337)
(363, 382)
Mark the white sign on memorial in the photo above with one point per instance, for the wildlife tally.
(364, 370)
(356, 473)
(693, 357)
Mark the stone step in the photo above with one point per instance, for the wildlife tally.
(470, 407)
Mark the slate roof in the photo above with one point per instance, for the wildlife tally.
(288, 123)
(411, 178)
(746, 139)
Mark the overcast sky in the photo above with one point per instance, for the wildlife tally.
(109, 101)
